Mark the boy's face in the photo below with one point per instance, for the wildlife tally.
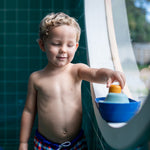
(61, 45)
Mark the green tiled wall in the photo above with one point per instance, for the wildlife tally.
(20, 55)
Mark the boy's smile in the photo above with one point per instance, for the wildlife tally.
(61, 46)
(61, 58)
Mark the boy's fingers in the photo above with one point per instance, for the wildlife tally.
(119, 77)
(109, 82)
(123, 80)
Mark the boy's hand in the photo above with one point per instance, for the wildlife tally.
(23, 146)
(116, 76)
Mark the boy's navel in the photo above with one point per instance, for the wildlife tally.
(65, 131)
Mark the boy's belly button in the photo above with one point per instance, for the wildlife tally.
(65, 131)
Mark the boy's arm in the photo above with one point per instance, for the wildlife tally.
(103, 75)
(28, 115)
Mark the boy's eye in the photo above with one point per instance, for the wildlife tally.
(55, 44)
(70, 45)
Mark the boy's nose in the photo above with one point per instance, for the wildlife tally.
(63, 49)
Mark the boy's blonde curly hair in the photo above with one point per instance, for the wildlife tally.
(53, 20)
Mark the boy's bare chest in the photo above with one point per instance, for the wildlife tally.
(54, 87)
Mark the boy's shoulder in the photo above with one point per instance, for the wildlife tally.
(35, 75)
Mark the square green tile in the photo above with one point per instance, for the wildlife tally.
(10, 51)
(10, 87)
(1, 75)
(22, 27)
(11, 109)
(1, 32)
(22, 87)
(10, 75)
(21, 98)
(44, 12)
(2, 111)
(34, 15)
(34, 38)
(23, 64)
(2, 88)
(34, 4)
(11, 98)
(35, 51)
(1, 14)
(22, 51)
(2, 4)
(1, 97)
(34, 27)
(22, 39)
(59, 4)
(10, 39)
(2, 135)
(1, 49)
(10, 63)
(22, 15)
(22, 4)
(10, 28)
(48, 4)
(1, 41)
(10, 4)
(11, 133)
(10, 15)
(34, 65)
(22, 75)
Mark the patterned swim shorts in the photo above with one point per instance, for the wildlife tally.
(41, 143)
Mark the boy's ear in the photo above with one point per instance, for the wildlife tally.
(41, 44)
(77, 45)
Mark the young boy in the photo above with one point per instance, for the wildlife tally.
(55, 92)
